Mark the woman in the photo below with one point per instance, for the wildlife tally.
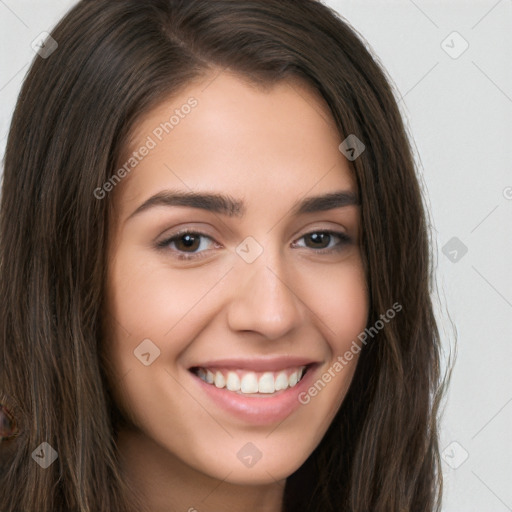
(174, 333)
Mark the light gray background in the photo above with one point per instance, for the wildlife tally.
(459, 111)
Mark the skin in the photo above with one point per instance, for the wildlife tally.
(268, 148)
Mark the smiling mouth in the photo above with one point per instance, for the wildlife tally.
(246, 382)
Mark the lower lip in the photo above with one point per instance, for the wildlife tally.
(258, 410)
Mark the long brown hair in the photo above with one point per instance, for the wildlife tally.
(116, 59)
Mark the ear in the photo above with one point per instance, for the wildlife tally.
(7, 424)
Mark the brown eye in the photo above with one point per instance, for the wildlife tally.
(323, 240)
(319, 239)
(187, 242)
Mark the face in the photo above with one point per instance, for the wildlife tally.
(235, 279)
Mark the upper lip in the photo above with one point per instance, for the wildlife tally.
(258, 364)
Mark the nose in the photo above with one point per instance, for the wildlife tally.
(264, 300)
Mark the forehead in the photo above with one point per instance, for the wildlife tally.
(224, 133)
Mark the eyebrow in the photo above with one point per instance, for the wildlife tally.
(226, 205)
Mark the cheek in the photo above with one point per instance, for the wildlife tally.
(150, 299)
(339, 296)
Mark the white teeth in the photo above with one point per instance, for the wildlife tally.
(220, 382)
(249, 383)
(281, 381)
(233, 382)
(268, 382)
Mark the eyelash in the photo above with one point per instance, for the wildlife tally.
(163, 245)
